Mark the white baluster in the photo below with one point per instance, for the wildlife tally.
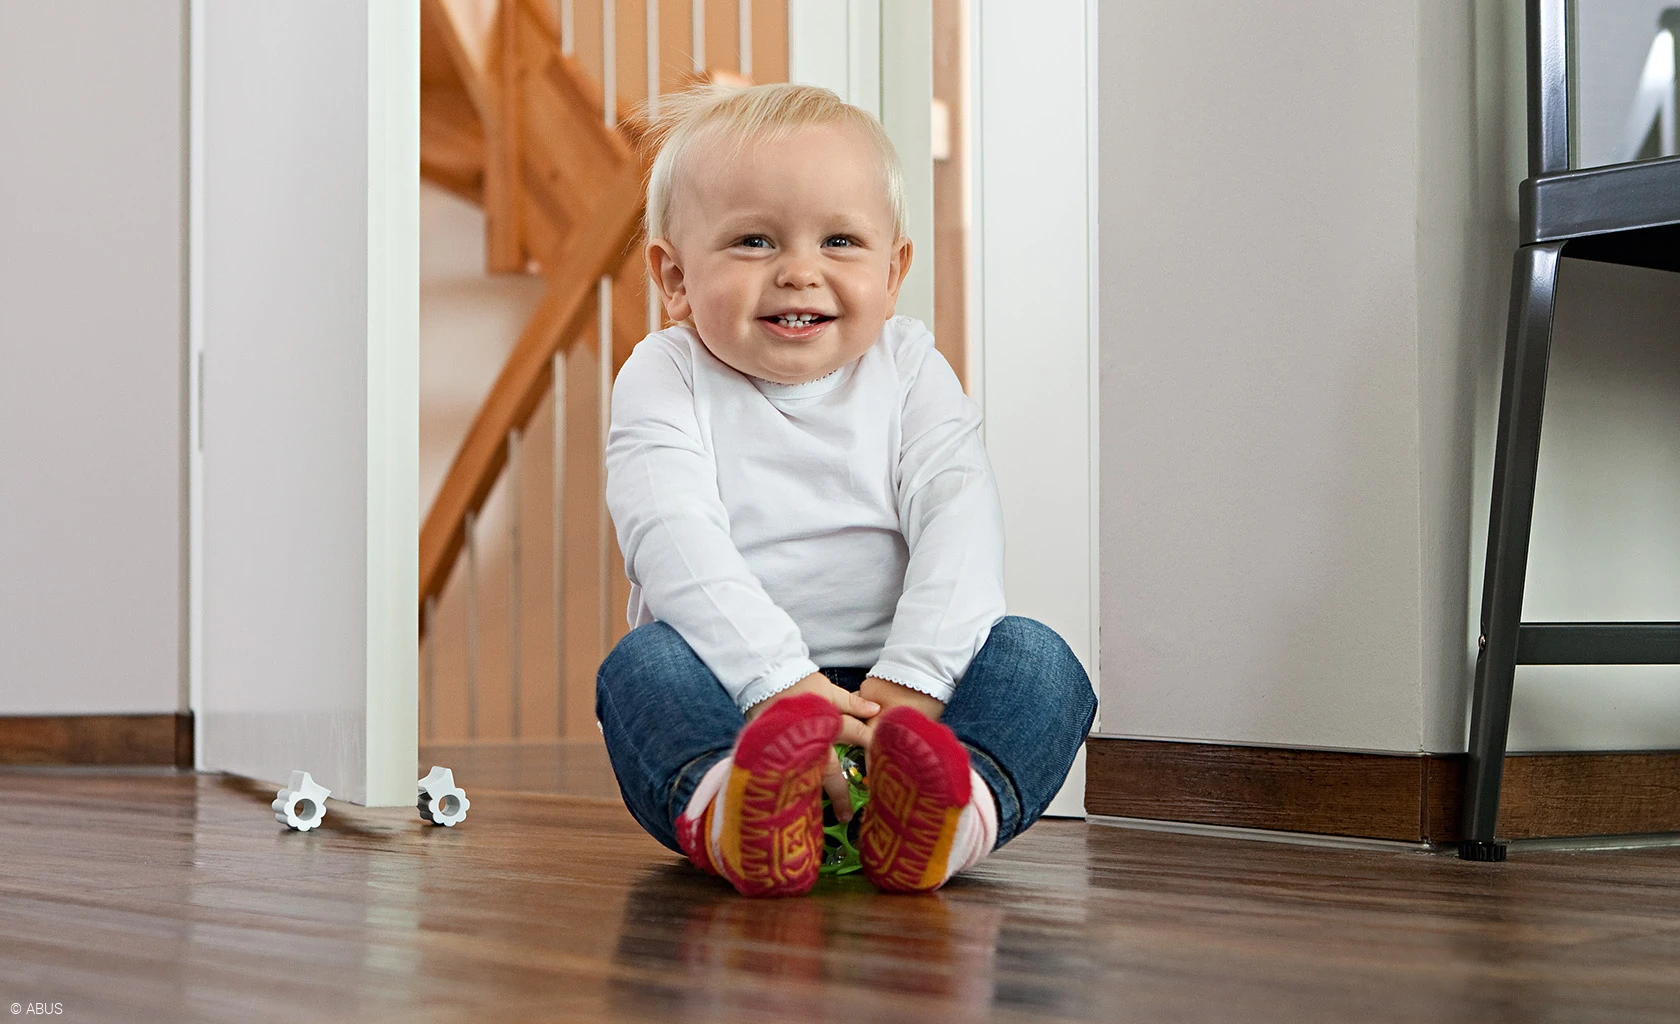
(431, 668)
(609, 61)
(472, 625)
(557, 516)
(744, 21)
(697, 39)
(603, 522)
(653, 58)
(516, 555)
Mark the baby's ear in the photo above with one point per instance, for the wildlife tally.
(898, 267)
(667, 273)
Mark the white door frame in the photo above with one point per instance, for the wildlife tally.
(1033, 308)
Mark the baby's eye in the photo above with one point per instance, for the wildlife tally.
(840, 241)
(754, 242)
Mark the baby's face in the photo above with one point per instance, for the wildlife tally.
(784, 256)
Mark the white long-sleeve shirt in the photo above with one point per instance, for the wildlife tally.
(849, 521)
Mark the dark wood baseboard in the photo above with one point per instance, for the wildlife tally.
(1412, 798)
(97, 740)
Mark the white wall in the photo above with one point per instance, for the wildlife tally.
(1308, 221)
(1302, 221)
(1472, 152)
(310, 424)
(91, 357)
(1261, 565)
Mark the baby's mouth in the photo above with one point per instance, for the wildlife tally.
(795, 320)
(796, 326)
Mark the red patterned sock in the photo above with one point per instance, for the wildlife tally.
(925, 819)
(758, 821)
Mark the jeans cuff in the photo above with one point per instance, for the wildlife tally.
(1003, 791)
(688, 777)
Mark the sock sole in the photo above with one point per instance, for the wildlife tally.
(918, 787)
(769, 841)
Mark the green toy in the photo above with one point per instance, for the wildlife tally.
(840, 855)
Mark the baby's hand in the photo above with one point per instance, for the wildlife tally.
(854, 709)
(885, 694)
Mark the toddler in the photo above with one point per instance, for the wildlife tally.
(810, 526)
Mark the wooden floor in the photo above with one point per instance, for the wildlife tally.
(161, 897)
(565, 768)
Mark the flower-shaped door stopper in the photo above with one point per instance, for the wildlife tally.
(441, 801)
(302, 804)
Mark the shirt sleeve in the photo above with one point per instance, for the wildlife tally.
(674, 532)
(952, 521)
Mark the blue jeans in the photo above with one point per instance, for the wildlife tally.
(1022, 710)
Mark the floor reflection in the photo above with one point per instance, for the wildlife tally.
(843, 949)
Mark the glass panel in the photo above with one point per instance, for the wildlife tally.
(1624, 57)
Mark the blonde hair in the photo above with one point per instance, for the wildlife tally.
(759, 113)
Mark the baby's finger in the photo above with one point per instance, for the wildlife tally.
(853, 732)
(850, 703)
(856, 706)
(834, 783)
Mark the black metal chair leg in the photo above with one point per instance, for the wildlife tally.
(1521, 401)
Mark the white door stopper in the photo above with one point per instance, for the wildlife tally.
(302, 804)
(441, 801)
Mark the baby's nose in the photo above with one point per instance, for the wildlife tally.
(797, 273)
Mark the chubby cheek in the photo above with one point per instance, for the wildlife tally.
(712, 317)
(868, 299)
(728, 308)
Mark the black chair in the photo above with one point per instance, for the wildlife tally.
(1624, 213)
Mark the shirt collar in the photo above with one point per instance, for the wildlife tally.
(807, 389)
